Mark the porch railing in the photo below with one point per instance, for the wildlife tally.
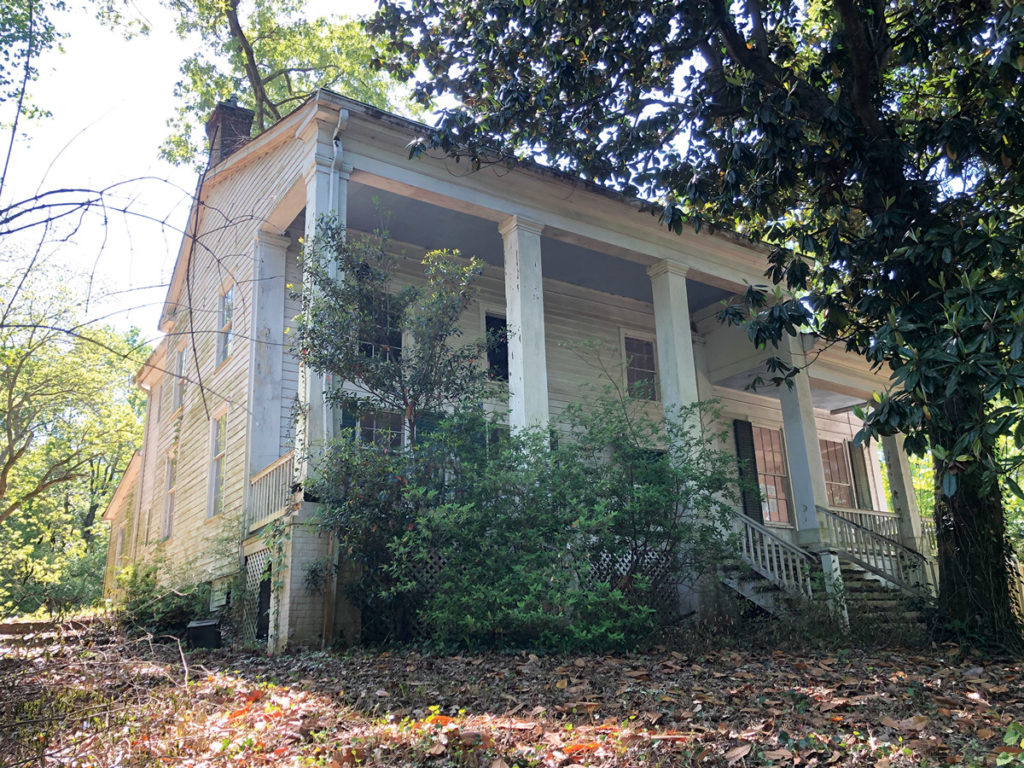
(270, 492)
(880, 555)
(883, 523)
(775, 559)
(929, 536)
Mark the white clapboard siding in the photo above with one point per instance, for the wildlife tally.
(234, 212)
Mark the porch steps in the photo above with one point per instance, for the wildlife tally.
(870, 599)
(872, 604)
(740, 577)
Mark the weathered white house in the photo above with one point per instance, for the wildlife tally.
(565, 261)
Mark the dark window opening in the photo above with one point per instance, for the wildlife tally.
(497, 348)
(641, 371)
(384, 331)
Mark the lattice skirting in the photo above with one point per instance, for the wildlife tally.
(255, 573)
(382, 623)
(620, 570)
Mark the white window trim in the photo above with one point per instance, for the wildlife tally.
(211, 492)
(634, 333)
(780, 428)
(225, 331)
(119, 547)
(170, 487)
(844, 445)
(178, 365)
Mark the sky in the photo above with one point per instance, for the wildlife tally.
(110, 99)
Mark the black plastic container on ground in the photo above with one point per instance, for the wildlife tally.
(204, 633)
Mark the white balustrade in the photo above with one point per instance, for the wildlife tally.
(772, 557)
(270, 492)
(876, 553)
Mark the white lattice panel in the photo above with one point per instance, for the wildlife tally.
(255, 570)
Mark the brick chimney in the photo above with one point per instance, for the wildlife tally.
(227, 129)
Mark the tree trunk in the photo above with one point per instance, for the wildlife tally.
(973, 555)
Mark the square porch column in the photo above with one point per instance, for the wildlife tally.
(524, 312)
(803, 452)
(326, 194)
(677, 371)
(901, 485)
(267, 350)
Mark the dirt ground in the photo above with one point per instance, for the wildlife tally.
(86, 695)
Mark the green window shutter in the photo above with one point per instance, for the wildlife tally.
(861, 483)
(744, 433)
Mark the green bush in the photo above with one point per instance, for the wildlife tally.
(476, 538)
(155, 606)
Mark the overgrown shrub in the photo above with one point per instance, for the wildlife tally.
(158, 607)
(477, 538)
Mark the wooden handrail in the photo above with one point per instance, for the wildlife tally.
(930, 536)
(784, 564)
(881, 555)
(272, 466)
(883, 523)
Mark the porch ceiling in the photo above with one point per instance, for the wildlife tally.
(430, 226)
(824, 395)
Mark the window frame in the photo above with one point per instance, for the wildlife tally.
(787, 483)
(386, 333)
(225, 324)
(170, 486)
(398, 437)
(120, 546)
(218, 463)
(648, 338)
(843, 447)
(178, 376)
(494, 315)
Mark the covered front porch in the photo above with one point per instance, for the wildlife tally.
(825, 499)
(567, 264)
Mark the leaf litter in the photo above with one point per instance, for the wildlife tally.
(92, 697)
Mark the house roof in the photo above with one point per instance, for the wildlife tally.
(153, 368)
(292, 124)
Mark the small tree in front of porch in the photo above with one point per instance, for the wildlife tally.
(394, 354)
(393, 345)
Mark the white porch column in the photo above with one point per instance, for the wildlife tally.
(677, 372)
(268, 345)
(326, 193)
(901, 485)
(806, 472)
(524, 313)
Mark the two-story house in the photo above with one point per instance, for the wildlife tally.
(564, 261)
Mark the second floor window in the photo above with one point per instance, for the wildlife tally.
(382, 331)
(218, 449)
(226, 308)
(178, 376)
(381, 427)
